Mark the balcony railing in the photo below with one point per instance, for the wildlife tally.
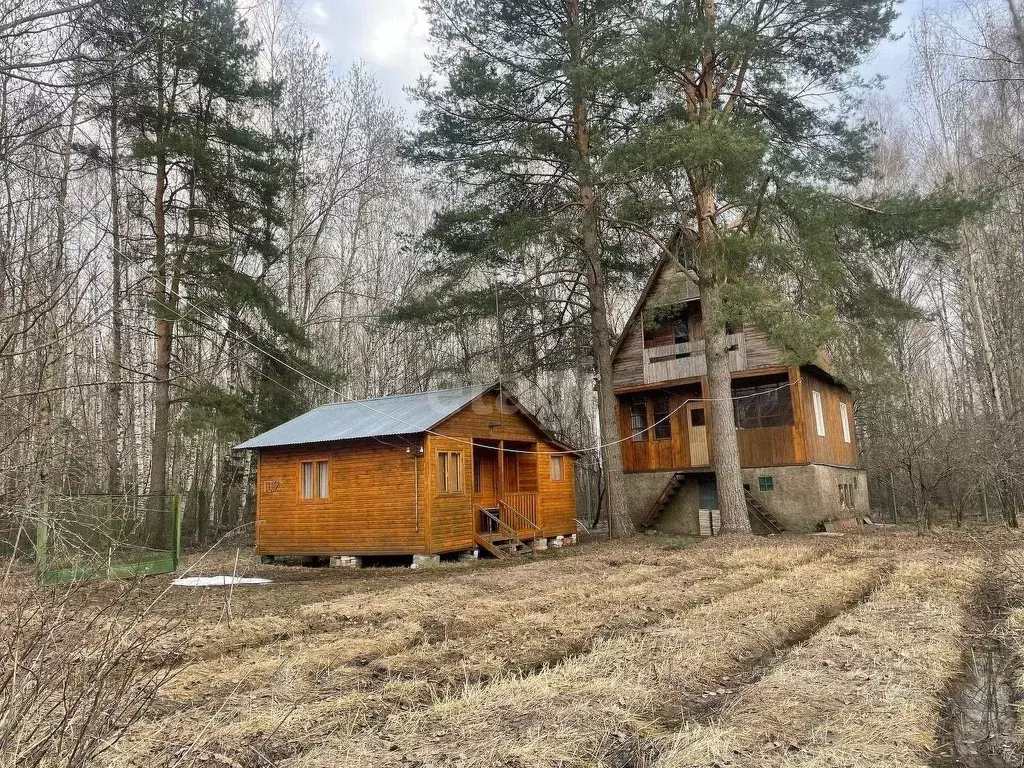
(683, 361)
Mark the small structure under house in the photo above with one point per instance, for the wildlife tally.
(450, 471)
(797, 443)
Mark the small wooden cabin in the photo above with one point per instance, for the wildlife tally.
(423, 474)
(797, 441)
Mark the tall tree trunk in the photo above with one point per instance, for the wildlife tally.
(112, 404)
(724, 444)
(619, 521)
(163, 343)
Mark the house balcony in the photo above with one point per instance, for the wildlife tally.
(672, 362)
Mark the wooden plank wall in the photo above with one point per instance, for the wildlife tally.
(372, 507)
(453, 517)
(830, 449)
(765, 447)
(557, 502)
(671, 286)
(384, 500)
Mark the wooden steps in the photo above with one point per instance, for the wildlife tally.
(502, 542)
(667, 493)
(757, 511)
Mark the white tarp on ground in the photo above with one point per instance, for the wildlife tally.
(216, 581)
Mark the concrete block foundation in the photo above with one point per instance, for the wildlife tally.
(540, 544)
(801, 497)
(346, 561)
(425, 561)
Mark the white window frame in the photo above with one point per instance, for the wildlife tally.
(557, 467)
(819, 414)
(844, 416)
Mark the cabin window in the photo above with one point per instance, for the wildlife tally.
(766, 483)
(638, 420)
(315, 479)
(681, 327)
(449, 472)
(819, 415)
(846, 495)
(661, 413)
(557, 468)
(844, 417)
(765, 404)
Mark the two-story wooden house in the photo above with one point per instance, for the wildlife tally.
(797, 443)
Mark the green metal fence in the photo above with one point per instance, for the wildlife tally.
(97, 536)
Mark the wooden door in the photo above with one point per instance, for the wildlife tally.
(696, 420)
(485, 480)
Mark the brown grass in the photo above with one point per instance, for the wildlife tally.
(607, 655)
(863, 692)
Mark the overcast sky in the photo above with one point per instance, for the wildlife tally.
(390, 37)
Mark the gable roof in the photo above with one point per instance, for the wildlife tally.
(638, 307)
(382, 417)
(377, 417)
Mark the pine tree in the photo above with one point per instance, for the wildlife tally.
(210, 181)
(518, 128)
(747, 148)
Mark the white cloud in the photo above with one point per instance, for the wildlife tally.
(317, 9)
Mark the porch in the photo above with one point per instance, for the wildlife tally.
(505, 490)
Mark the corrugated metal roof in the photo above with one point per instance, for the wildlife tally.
(396, 415)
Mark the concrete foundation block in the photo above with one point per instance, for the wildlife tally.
(425, 561)
(538, 545)
(346, 561)
(569, 541)
(470, 554)
(557, 542)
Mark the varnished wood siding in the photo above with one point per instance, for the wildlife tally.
(830, 449)
(557, 499)
(371, 508)
(765, 447)
(453, 518)
(451, 514)
(670, 286)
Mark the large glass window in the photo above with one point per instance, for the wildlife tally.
(638, 420)
(762, 404)
(662, 422)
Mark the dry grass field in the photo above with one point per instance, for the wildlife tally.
(813, 651)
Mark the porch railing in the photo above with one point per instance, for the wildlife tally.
(519, 511)
(683, 361)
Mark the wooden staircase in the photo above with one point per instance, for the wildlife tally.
(757, 511)
(667, 494)
(502, 542)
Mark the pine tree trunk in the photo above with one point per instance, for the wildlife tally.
(725, 447)
(112, 403)
(619, 521)
(163, 341)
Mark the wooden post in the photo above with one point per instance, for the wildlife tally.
(108, 530)
(501, 474)
(176, 530)
(42, 540)
(892, 489)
